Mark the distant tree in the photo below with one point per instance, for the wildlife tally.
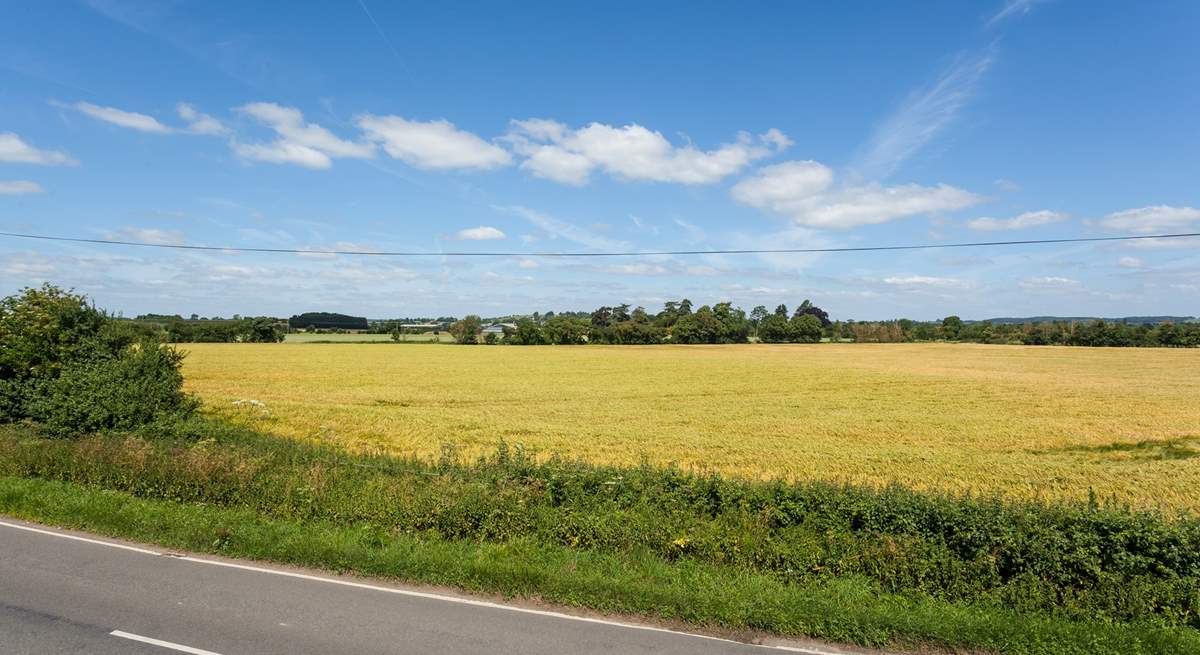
(396, 334)
(527, 333)
(774, 329)
(807, 308)
(757, 315)
(952, 326)
(466, 331)
(805, 328)
(782, 311)
(685, 307)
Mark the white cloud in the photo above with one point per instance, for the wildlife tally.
(632, 152)
(140, 235)
(528, 263)
(1028, 219)
(633, 269)
(432, 144)
(122, 118)
(926, 281)
(282, 152)
(481, 233)
(14, 150)
(199, 123)
(1011, 8)
(802, 191)
(1152, 219)
(1130, 262)
(19, 187)
(300, 143)
(922, 116)
(561, 229)
(1049, 284)
(1006, 185)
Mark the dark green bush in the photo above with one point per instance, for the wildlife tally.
(74, 369)
(138, 386)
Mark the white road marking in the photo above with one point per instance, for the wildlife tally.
(159, 642)
(401, 592)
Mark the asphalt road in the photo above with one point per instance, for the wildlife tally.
(86, 595)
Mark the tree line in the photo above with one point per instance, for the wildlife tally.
(678, 322)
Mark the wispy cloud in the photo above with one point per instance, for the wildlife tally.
(19, 187)
(1028, 219)
(14, 150)
(121, 118)
(924, 115)
(564, 230)
(1012, 8)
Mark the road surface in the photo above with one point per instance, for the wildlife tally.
(66, 592)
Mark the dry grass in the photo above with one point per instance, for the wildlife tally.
(1023, 421)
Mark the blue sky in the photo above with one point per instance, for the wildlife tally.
(518, 127)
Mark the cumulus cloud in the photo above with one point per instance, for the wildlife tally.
(121, 118)
(14, 150)
(481, 233)
(804, 192)
(299, 143)
(556, 152)
(199, 123)
(432, 144)
(1152, 219)
(19, 187)
(1028, 219)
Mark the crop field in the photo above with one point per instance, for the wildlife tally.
(1023, 421)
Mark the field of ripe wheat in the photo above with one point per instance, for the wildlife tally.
(1024, 421)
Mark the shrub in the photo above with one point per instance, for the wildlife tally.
(140, 385)
(72, 367)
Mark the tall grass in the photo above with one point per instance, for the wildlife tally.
(1077, 562)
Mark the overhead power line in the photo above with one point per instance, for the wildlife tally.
(631, 253)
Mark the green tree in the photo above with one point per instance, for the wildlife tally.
(805, 328)
(952, 326)
(466, 331)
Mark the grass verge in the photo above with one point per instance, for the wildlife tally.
(847, 610)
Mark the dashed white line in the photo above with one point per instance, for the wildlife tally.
(163, 644)
(407, 592)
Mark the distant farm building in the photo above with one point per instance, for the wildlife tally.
(498, 329)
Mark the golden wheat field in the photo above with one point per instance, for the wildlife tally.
(1024, 421)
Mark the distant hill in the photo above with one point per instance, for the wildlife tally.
(1133, 320)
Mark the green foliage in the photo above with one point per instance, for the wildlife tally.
(42, 329)
(634, 582)
(1074, 561)
(245, 330)
(327, 321)
(71, 367)
(134, 387)
(467, 330)
(805, 328)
